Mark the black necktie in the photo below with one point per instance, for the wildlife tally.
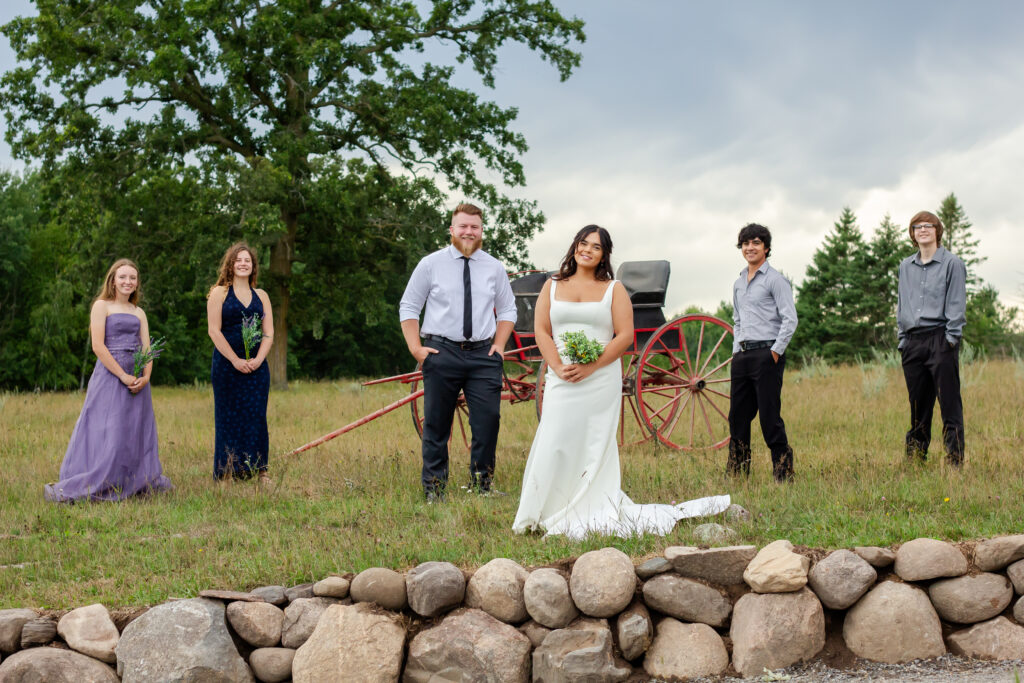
(467, 301)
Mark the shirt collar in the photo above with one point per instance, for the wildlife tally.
(763, 268)
(456, 254)
(938, 257)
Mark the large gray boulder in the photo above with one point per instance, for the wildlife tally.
(272, 664)
(11, 621)
(181, 641)
(582, 652)
(497, 588)
(776, 630)
(258, 623)
(894, 623)
(435, 587)
(635, 631)
(723, 566)
(602, 582)
(51, 665)
(687, 599)
(970, 599)
(841, 578)
(997, 638)
(996, 553)
(354, 643)
(777, 569)
(469, 645)
(546, 594)
(383, 586)
(924, 559)
(300, 619)
(91, 631)
(682, 651)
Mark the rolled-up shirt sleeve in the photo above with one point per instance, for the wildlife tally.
(956, 300)
(504, 299)
(783, 293)
(415, 295)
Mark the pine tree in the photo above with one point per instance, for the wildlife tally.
(830, 302)
(879, 274)
(958, 238)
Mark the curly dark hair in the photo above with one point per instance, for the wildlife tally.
(604, 268)
(755, 231)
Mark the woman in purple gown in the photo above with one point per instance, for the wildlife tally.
(113, 450)
(240, 379)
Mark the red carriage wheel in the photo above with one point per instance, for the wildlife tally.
(682, 382)
(460, 425)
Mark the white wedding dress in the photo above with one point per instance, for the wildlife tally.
(571, 485)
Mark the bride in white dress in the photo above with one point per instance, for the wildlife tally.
(572, 482)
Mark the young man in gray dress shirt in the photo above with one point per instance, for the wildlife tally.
(930, 316)
(764, 318)
(470, 311)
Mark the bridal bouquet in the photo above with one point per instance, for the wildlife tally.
(252, 332)
(579, 348)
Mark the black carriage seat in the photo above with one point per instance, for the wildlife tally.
(647, 283)
(526, 289)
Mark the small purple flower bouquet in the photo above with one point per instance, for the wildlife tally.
(252, 333)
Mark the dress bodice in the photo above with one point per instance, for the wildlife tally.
(231, 314)
(594, 318)
(121, 332)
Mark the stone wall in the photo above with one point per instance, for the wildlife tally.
(693, 612)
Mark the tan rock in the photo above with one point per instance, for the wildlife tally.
(682, 651)
(275, 595)
(875, 556)
(11, 621)
(724, 566)
(996, 553)
(997, 638)
(303, 590)
(535, 632)
(301, 618)
(497, 588)
(841, 578)
(970, 599)
(776, 630)
(91, 631)
(469, 645)
(653, 567)
(927, 558)
(1015, 572)
(894, 623)
(272, 664)
(39, 631)
(435, 588)
(581, 652)
(546, 594)
(51, 665)
(777, 569)
(331, 587)
(1018, 611)
(351, 643)
(603, 582)
(385, 587)
(687, 599)
(258, 623)
(634, 630)
(229, 596)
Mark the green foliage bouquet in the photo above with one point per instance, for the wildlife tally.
(579, 348)
(143, 357)
(252, 333)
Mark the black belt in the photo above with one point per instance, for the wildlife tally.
(925, 332)
(760, 344)
(464, 345)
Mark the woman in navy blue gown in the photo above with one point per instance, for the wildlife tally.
(240, 386)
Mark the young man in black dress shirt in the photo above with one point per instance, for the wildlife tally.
(764, 320)
(930, 317)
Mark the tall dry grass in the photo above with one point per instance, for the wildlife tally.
(356, 502)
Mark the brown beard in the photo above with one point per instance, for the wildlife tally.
(457, 243)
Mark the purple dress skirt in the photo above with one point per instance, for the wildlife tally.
(113, 450)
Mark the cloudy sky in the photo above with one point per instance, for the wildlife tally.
(687, 120)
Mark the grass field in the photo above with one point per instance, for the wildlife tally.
(356, 502)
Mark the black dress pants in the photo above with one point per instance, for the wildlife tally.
(479, 377)
(757, 390)
(931, 367)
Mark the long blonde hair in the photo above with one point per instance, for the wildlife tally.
(108, 292)
(226, 273)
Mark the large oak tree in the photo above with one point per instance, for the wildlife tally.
(278, 85)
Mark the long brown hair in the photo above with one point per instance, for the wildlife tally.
(226, 273)
(108, 292)
(604, 268)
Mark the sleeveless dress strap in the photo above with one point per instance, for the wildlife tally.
(608, 292)
(552, 292)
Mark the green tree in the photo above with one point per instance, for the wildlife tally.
(277, 86)
(958, 238)
(878, 267)
(829, 304)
